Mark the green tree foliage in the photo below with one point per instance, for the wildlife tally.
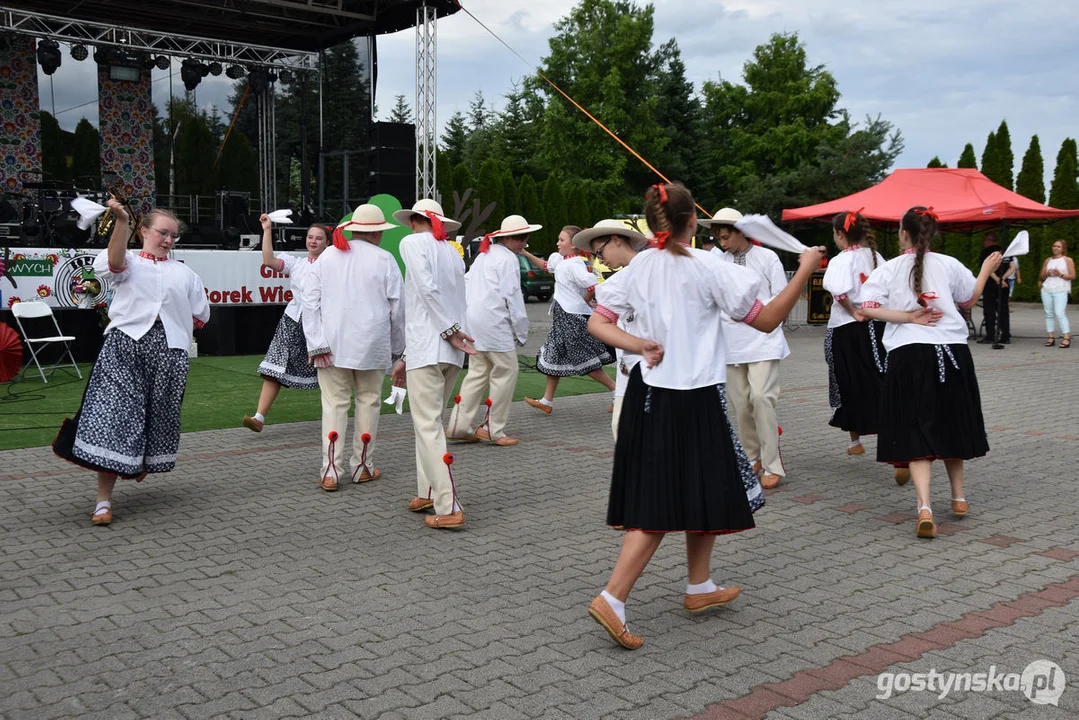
(679, 116)
(1031, 180)
(401, 112)
(555, 210)
(531, 208)
(55, 149)
(599, 209)
(577, 208)
(489, 190)
(1005, 157)
(462, 179)
(454, 138)
(515, 131)
(511, 201)
(444, 179)
(991, 158)
(238, 167)
(86, 153)
(968, 159)
(1064, 192)
(936, 163)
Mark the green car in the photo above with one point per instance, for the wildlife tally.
(538, 283)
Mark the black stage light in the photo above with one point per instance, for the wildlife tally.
(79, 52)
(215, 69)
(258, 79)
(48, 56)
(191, 72)
(162, 62)
(234, 72)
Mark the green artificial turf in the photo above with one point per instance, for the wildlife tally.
(220, 391)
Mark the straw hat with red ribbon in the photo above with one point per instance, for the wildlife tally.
(512, 225)
(365, 218)
(606, 228)
(429, 210)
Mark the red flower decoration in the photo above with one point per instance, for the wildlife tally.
(44, 291)
(487, 402)
(12, 300)
(365, 438)
(456, 399)
(333, 436)
(53, 258)
(448, 458)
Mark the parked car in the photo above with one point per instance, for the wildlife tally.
(535, 283)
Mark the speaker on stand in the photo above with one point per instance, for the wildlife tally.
(393, 161)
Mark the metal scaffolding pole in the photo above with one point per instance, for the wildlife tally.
(426, 99)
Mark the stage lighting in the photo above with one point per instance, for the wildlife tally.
(287, 76)
(234, 72)
(161, 62)
(191, 72)
(258, 79)
(48, 56)
(79, 52)
(215, 69)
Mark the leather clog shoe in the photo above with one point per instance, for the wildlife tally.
(103, 518)
(858, 449)
(960, 507)
(328, 484)
(602, 613)
(419, 504)
(504, 441)
(367, 475)
(463, 438)
(546, 409)
(252, 424)
(446, 522)
(769, 480)
(927, 528)
(703, 601)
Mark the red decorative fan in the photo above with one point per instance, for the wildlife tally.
(10, 353)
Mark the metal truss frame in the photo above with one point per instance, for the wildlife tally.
(426, 100)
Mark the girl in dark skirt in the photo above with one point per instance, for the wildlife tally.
(676, 468)
(930, 408)
(287, 363)
(129, 421)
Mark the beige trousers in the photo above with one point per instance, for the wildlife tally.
(753, 389)
(429, 390)
(337, 386)
(498, 370)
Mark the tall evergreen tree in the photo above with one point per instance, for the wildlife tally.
(444, 179)
(516, 132)
(401, 112)
(1005, 156)
(462, 179)
(55, 150)
(489, 190)
(578, 211)
(968, 159)
(531, 207)
(599, 209)
(86, 151)
(454, 137)
(1064, 192)
(554, 208)
(1031, 180)
(478, 113)
(936, 163)
(511, 201)
(991, 158)
(679, 115)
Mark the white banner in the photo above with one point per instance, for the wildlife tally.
(64, 277)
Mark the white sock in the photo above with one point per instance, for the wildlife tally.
(456, 507)
(926, 507)
(855, 443)
(102, 507)
(617, 605)
(547, 402)
(260, 417)
(960, 499)
(701, 588)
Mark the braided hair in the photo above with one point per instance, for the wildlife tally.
(922, 226)
(858, 232)
(670, 209)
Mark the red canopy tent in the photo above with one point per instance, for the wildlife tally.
(959, 196)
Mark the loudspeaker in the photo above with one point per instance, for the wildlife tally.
(232, 209)
(397, 135)
(393, 161)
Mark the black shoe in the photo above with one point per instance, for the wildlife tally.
(1006, 341)
(985, 340)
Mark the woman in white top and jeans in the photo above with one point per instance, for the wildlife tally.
(1056, 278)
(676, 468)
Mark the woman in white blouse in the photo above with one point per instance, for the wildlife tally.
(129, 421)
(286, 362)
(1056, 277)
(676, 467)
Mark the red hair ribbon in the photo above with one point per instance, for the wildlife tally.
(852, 217)
(437, 228)
(339, 240)
(659, 240)
(928, 211)
(925, 297)
(662, 191)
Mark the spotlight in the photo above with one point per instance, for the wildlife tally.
(215, 69)
(191, 72)
(287, 76)
(235, 72)
(102, 56)
(79, 52)
(162, 62)
(259, 80)
(48, 56)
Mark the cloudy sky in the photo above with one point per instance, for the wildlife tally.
(945, 72)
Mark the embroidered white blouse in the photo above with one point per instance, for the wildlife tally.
(146, 289)
(677, 302)
(296, 268)
(846, 274)
(496, 316)
(353, 307)
(572, 278)
(744, 343)
(434, 300)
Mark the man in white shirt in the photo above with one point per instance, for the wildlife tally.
(354, 322)
(753, 356)
(496, 317)
(436, 346)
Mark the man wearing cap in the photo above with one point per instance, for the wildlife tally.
(436, 347)
(355, 330)
(496, 317)
(753, 356)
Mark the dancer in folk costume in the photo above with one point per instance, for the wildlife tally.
(354, 321)
(931, 408)
(497, 319)
(853, 346)
(615, 245)
(129, 421)
(286, 362)
(753, 356)
(676, 467)
(569, 350)
(436, 346)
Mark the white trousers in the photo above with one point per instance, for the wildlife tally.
(338, 386)
(753, 389)
(429, 390)
(497, 370)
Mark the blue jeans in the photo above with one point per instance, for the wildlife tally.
(1054, 310)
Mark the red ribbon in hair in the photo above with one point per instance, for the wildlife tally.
(852, 217)
(659, 240)
(662, 191)
(339, 240)
(437, 228)
(928, 211)
(925, 297)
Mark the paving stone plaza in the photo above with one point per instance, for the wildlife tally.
(234, 587)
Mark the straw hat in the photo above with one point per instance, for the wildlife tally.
(724, 216)
(421, 208)
(514, 225)
(583, 240)
(367, 218)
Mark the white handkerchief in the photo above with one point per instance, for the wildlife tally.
(397, 397)
(762, 229)
(282, 217)
(88, 210)
(1020, 245)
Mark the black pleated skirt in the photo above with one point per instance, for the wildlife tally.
(676, 467)
(930, 406)
(858, 367)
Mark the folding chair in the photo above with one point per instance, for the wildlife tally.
(35, 345)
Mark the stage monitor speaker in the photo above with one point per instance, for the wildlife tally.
(293, 238)
(395, 135)
(232, 209)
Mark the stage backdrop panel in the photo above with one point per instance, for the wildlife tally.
(20, 144)
(125, 118)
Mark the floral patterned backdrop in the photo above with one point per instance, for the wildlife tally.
(20, 129)
(127, 135)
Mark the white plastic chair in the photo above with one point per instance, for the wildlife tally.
(35, 345)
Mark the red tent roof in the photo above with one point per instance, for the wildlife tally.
(957, 196)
